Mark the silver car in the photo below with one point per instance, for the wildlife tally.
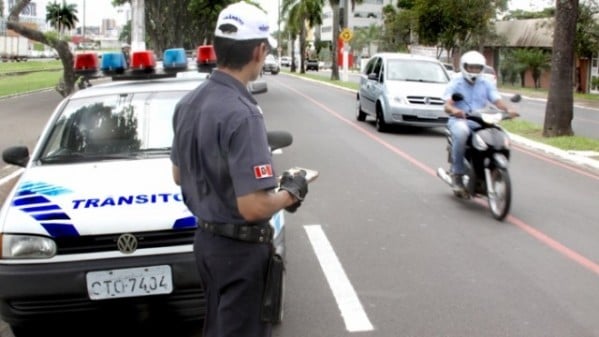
(397, 88)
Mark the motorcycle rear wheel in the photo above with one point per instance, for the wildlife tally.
(501, 198)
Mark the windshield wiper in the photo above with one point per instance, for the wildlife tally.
(151, 151)
(83, 157)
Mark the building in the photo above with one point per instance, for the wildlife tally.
(538, 33)
(364, 14)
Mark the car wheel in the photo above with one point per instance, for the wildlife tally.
(360, 114)
(381, 126)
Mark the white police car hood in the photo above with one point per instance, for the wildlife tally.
(96, 198)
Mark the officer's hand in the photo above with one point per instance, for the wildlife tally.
(296, 185)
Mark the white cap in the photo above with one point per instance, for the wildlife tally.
(250, 22)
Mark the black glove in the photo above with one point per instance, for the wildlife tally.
(297, 185)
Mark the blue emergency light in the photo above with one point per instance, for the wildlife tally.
(113, 63)
(174, 60)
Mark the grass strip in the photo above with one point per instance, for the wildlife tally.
(10, 85)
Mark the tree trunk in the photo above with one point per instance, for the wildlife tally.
(67, 84)
(302, 40)
(559, 111)
(334, 65)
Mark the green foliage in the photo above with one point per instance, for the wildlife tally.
(533, 59)
(61, 16)
(454, 24)
(519, 14)
(587, 31)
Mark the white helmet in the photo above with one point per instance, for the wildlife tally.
(472, 58)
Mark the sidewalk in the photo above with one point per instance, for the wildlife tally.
(587, 103)
(584, 158)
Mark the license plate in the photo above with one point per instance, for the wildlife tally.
(428, 114)
(129, 282)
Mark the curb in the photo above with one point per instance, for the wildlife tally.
(575, 157)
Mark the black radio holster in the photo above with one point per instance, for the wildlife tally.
(272, 300)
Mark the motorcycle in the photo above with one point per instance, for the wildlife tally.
(486, 159)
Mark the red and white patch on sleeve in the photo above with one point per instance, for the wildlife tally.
(263, 171)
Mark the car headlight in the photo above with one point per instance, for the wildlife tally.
(399, 99)
(27, 247)
(479, 143)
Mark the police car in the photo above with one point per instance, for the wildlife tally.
(95, 224)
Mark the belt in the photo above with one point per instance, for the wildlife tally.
(257, 233)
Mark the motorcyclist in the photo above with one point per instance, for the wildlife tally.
(478, 92)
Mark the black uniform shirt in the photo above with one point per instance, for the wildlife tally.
(221, 148)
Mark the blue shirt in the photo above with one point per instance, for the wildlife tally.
(476, 96)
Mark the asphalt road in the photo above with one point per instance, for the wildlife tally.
(380, 247)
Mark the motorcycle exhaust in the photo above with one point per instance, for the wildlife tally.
(441, 173)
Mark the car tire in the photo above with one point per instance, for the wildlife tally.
(360, 114)
(380, 124)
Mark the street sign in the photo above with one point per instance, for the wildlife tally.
(346, 34)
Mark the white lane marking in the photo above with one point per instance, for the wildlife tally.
(348, 302)
(6, 179)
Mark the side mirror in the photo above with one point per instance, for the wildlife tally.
(257, 87)
(16, 155)
(279, 139)
(456, 97)
(373, 76)
(516, 98)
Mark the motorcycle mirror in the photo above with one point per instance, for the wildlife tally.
(516, 98)
(456, 97)
(279, 139)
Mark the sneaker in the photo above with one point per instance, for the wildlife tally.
(458, 185)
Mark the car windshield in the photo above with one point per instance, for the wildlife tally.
(111, 127)
(416, 71)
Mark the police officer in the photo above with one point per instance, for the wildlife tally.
(126, 50)
(223, 164)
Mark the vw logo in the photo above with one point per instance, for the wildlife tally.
(127, 243)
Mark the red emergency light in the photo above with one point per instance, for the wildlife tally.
(143, 61)
(206, 58)
(86, 63)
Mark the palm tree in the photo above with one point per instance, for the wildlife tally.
(366, 36)
(62, 16)
(303, 13)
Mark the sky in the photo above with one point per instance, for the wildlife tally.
(95, 11)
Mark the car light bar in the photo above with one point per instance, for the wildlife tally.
(113, 63)
(206, 58)
(86, 64)
(143, 61)
(174, 60)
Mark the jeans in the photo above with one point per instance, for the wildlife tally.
(460, 130)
